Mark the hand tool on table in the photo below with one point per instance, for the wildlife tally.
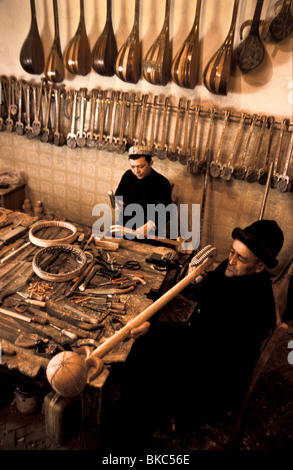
(104, 52)
(77, 55)
(82, 315)
(32, 52)
(156, 66)
(28, 319)
(14, 335)
(115, 290)
(76, 324)
(8, 293)
(54, 67)
(216, 75)
(185, 65)
(128, 62)
(90, 359)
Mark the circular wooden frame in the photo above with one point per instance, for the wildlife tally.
(53, 223)
(80, 256)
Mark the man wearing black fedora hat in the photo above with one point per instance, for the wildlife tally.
(141, 185)
(200, 370)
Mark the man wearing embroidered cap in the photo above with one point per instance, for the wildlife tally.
(143, 186)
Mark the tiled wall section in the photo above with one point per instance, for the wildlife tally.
(70, 182)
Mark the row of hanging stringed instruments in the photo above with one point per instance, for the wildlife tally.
(228, 144)
(157, 67)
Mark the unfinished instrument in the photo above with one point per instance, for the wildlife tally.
(276, 176)
(250, 53)
(173, 154)
(228, 169)
(68, 372)
(216, 76)
(32, 52)
(184, 152)
(284, 183)
(128, 62)
(54, 68)
(252, 171)
(77, 56)
(161, 151)
(192, 162)
(240, 168)
(185, 65)
(104, 53)
(216, 165)
(263, 171)
(156, 66)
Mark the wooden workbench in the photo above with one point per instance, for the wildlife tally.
(25, 363)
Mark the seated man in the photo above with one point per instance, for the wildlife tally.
(201, 369)
(143, 186)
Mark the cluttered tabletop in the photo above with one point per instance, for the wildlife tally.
(62, 288)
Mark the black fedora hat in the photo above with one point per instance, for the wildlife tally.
(264, 238)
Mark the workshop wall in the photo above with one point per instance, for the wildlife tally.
(70, 182)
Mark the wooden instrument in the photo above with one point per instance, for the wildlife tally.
(216, 166)
(81, 134)
(182, 158)
(227, 169)
(93, 359)
(121, 145)
(156, 66)
(282, 25)
(185, 65)
(47, 134)
(128, 62)
(71, 136)
(90, 137)
(32, 52)
(284, 183)
(153, 124)
(216, 76)
(161, 151)
(104, 53)
(54, 69)
(102, 105)
(263, 172)
(173, 154)
(192, 162)
(77, 56)
(240, 168)
(252, 172)
(204, 164)
(250, 53)
(276, 176)
(110, 141)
